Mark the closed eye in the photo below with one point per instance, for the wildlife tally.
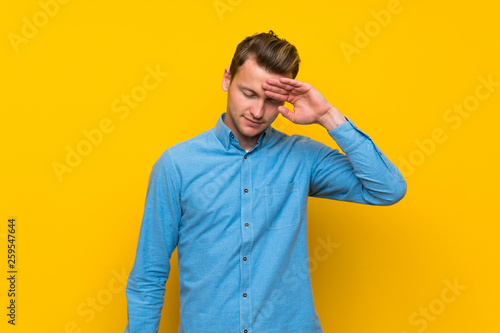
(249, 95)
(269, 100)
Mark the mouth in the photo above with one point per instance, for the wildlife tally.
(253, 123)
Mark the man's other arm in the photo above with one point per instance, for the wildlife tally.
(158, 238)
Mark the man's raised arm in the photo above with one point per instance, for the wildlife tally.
(364, 174)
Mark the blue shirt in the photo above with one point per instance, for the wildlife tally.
(238, 220)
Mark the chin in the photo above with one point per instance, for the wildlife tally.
(250, 132)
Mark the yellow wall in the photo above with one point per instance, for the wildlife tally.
(65, 73)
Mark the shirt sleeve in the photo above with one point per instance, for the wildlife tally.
(362, 175)
(158, 238)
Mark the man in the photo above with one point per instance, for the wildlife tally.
(233, 201)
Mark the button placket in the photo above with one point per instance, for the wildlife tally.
(246, 242)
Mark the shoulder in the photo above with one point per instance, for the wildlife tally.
(182, 149)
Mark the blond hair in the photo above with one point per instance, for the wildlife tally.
(275, 55)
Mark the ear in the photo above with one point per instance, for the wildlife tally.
(226, 80)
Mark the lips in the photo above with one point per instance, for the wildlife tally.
(252, 122)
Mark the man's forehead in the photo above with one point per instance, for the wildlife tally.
(252, 80)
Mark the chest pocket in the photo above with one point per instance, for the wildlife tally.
(282, 205)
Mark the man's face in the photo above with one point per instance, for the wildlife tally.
(249, 110)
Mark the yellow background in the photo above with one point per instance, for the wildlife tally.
(76, 238)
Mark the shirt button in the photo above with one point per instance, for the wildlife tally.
(246, 224)
(246, 190)
(380, 152)
(244, 294)
(245, 157)
(232, 136)
(244, 258)
(245, 331)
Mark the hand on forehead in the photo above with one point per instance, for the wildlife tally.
(281, 89)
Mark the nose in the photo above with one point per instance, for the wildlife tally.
(257, 109)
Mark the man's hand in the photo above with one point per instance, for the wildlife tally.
(310, 107)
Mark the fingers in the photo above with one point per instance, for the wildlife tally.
(277, 96)
(275, 89)
(292, 82)
(279, 84)
(290, 85)
(286, 113)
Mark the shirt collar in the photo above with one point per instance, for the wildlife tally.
(225, 135)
